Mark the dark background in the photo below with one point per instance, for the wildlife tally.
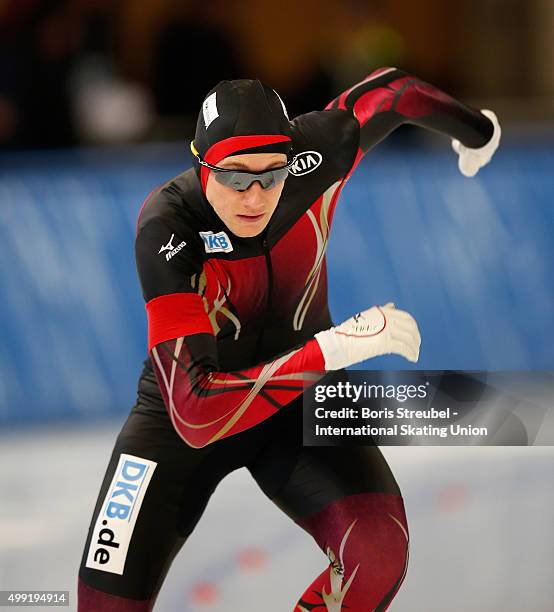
(98, 71)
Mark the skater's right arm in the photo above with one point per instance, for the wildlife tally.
(205, 404)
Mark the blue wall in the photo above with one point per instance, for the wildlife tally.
(472, 259)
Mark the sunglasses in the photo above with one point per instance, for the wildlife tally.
(240, 180)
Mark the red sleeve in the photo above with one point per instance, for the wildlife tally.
(388, 97)
(206, 405)
(174, 315)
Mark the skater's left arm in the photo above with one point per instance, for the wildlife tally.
(388, 98)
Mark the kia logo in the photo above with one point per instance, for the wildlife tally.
(306, 162)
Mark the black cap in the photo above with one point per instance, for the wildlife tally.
(241, 116)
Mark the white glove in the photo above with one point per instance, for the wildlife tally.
(380, 330)
(470, 160)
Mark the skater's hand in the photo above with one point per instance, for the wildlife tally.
(380, 330)
(471, 160)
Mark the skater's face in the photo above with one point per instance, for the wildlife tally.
(246, 213)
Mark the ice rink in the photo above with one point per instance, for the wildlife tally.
(480, 521)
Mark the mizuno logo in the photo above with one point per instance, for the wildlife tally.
(169, 247)
(214, 243)
(306, 162)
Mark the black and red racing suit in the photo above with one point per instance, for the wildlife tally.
(231, 324)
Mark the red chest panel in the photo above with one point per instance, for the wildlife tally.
(238, 290)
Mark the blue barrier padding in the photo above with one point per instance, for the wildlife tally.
(472, 259)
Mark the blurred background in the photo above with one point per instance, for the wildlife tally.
(82, 72)
(98, 101)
